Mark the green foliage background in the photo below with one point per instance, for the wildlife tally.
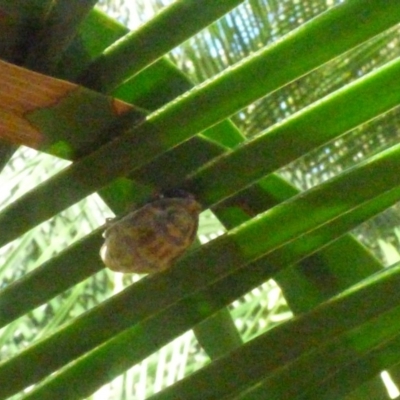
(358, 338)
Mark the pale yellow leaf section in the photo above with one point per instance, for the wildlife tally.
(21, 92)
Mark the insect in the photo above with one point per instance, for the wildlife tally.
(151, 238)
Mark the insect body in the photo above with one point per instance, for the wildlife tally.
(151, 238)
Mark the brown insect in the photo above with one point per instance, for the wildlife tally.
(151, 238)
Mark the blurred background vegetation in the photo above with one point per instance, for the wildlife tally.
(249, 27)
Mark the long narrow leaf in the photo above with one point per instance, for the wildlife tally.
(181, 119)
(142, 47)
(313, 126)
